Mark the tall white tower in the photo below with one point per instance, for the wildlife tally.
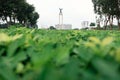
(61, 17)
(61, 25)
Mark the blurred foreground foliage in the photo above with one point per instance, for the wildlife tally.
(33, 54)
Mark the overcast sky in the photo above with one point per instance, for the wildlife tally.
(74, 11)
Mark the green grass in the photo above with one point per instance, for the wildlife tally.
(33, 54)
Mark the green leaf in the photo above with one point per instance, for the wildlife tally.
(19, 68)
(13, 47)
(84, 53)
(7, 73)
(21, 56)
(71, 69)
(106, 68)
(2, 51)
(61, 55)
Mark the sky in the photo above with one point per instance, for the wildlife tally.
(74, 12)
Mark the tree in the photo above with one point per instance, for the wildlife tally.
(52, 27)
(92, 24)
(18, 11)
(107, 8)
(33, 18)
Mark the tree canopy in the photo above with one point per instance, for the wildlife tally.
(110, 9)
(18, 11)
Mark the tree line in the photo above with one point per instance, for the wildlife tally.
(108, 10)
(18, 11)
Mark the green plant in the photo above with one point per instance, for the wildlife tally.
(34, 54)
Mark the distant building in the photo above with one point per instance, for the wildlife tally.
(85, 24)
(64, 26)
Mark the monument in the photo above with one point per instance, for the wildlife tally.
(61, 25)
(61, 17)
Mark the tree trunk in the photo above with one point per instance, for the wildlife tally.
(118, 21)
(105, 24)
(6, 20)
(3, 19)
(14, 20)
(98, 26)
(10, 22)
(111, 22)
(119, 25)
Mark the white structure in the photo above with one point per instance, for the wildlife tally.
(61, 25)
(60, 17)
(85, 24)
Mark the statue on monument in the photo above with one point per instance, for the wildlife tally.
(60, 10)
(60, 18)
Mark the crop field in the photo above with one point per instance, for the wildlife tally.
(33, 54)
